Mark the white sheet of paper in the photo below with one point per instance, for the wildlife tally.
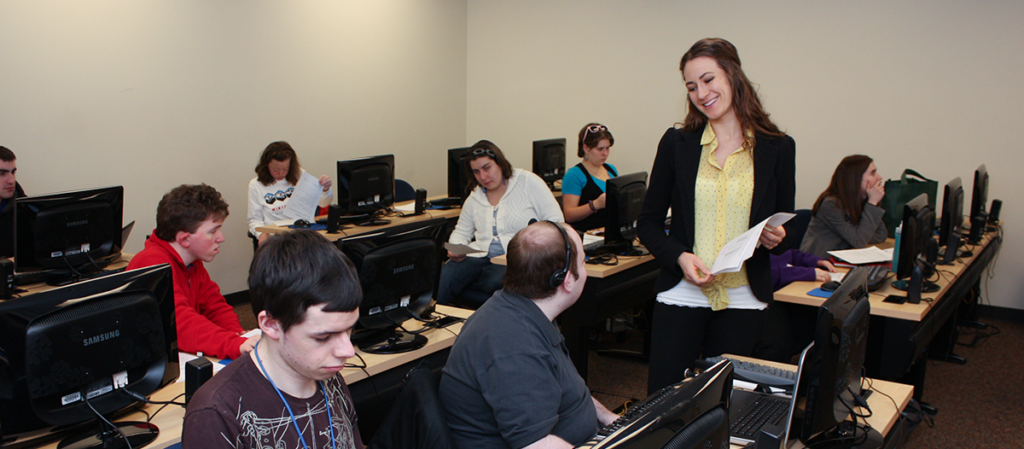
(459, 249)
(305, 198)
(184, 357)
(410, 207)
(739, 249)
(862, 256)
(838, 277)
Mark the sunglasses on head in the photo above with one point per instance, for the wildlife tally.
(485, 152)
(594, 129)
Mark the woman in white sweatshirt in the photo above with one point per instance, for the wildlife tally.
(271, 191)
(503, 201)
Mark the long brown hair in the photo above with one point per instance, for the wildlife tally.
(278, 151)
(745, 101)
(485, 148)
(845, 186)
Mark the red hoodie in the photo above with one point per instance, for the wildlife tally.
(206, 323)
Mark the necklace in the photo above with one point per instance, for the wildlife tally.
(327, 403)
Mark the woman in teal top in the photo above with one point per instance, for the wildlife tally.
(583, 185)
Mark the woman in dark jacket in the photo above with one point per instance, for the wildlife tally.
(726, 169)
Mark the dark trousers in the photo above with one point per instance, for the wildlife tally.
(681, 335)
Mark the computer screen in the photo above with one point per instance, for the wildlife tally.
(366, 186)
(916, 240)
(398, 270)
(979, 195)
(952, 218)
(624, 197)
(77, 231)
(691, 414)
(836, 360)
(457, 180)
(86, 345)
(549, 160)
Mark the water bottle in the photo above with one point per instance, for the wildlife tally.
(896, 250)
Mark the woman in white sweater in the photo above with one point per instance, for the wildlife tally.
(272, 190)
(503, 201)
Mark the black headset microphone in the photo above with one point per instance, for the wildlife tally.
(558, 277)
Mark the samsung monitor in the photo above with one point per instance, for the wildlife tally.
(624, 197)
(70, 232)
(367, 186)
(952, 219)
(833, 368)
(979, 195)
(398, 268)
(88, 349)
(457, 174)
(692, 414)
(917, 249)
(549, 160)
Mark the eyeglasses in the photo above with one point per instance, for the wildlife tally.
(485, 152)
(594, 129)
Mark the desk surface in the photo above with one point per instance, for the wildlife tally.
(797, 291)
(599, 270)
(884, 411)
(356, 230)
(170, 419)
(31, 289)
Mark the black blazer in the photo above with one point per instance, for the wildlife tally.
(672, 183)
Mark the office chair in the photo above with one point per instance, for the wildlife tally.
(416, 419)
(404, 191)
(800, 223)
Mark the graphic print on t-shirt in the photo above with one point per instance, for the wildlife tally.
(271, 198)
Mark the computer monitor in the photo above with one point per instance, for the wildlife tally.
(979, 195)
(834, 365)
(399, 268)
(74, 232)
(457, 177)
(549, 160)
(952, 219)
(86, 345)
(692, 414)
(917, 249)
(624, 197)
(367, 186)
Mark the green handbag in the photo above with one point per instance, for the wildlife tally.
(899, 192)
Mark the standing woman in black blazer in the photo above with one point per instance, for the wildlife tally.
(727, 168)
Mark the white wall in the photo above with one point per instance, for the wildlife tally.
(932, 85)
(154, 94)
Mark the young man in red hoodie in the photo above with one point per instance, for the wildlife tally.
(187, 234)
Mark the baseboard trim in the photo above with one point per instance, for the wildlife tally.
(237, 298)
(1001, 313)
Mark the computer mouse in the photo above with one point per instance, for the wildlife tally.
(300, 223)
(830, 286)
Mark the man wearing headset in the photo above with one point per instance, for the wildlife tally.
(509, 382)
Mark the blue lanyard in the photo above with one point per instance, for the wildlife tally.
(327, 404)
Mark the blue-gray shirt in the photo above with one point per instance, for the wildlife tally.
(509, 380)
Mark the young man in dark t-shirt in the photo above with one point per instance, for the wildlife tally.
(288, 392)
(9, 189)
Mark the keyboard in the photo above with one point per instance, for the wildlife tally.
(753, 372)
(766, 409)
(446, 202)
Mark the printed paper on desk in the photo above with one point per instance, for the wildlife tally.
(460, 249)
(739, 249)
(863, 256)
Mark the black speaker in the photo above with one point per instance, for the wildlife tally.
(6, 278)
(993, 212)
(421, 201)
(333, 215)
(197, 372)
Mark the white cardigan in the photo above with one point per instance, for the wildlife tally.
(526, 198)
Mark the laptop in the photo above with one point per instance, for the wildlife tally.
(751, 411)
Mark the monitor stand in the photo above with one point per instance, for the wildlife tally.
(391, 341)
(135, 434)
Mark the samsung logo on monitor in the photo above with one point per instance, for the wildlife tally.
(404, 269)
(101, 337)
(78, 223)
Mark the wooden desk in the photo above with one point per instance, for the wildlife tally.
(901, 334)
(885, 413)
(31, 289)
(598, 270)
(352, 230)
(170, 419)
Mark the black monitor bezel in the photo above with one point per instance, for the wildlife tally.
(457, 173)
(345, 190)
(951, 220)
(549, 160)
(979, 192)
(617, 230)
(26, 212)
